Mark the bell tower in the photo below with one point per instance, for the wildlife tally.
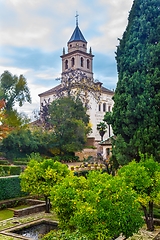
(77, 57)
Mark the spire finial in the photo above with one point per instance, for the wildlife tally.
(76, 18)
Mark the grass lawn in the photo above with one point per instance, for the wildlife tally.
(5, 214)
(3, 237)
(21, 207)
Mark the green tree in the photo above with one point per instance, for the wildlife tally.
(23, 141)
(69, 122)
(40, 176)
(144, 178)
(20, 143)
(95, 204)
(102, 128)
(136, 113)
(14, 90)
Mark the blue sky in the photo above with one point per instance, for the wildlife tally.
(34, 32)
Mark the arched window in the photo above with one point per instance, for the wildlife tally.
(104, 107)
(99, 107)
(66, 64)
(72, 62)
(88, 63)
(109, 108)
(82, 61)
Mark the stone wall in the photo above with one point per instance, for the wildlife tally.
(29, 210)
(9, 203)
(87, 152)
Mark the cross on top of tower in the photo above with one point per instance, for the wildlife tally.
(76, 18)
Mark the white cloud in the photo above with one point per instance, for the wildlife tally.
(47, 25)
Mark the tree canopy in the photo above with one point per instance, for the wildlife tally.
(69, 124)
(144, 178)
(22, 142)
(40, 176)
(95, 204)
(102, 128)
(13, 90)
(136, 113)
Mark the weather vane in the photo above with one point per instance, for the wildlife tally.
(76, 18)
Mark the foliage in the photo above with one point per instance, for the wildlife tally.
(35, 156)
(95, 204)
(63, 235)
(11, 120)
(10, 170)
(20, 161)
(40, 176)
(4, 162)
(69, 122)
(2, 172)
(22, 142)
(14, 90)
(144, 178)
(10, 188)
(136, 116)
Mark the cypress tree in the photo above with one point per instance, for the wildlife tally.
(136, 114)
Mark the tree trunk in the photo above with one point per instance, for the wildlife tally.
(149, 216)
(101, 132)
(47, 200)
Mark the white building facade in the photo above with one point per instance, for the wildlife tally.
(77, 70)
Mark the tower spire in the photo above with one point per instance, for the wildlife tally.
(76, 18)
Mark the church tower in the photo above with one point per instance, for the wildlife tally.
(77, 73)
(77, 57)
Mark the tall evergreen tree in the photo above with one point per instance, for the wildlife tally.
(136, 113)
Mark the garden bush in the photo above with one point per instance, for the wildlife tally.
(11, 170)
(93, 205)
(2, 172)
(20, 163)
(10, 187)
(69, 158)
(63, 235)
(4, 162)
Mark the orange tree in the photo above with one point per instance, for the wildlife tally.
(144, 178)
(41, 175)
(98, 207)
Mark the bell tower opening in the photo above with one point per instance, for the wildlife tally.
(77, 57)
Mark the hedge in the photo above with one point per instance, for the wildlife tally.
(10, 187)
(11, 170)
(20, 163)
(4, 162)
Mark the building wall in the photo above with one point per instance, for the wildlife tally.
(96, 112)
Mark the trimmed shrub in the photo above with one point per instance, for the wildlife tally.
(15, 170)
(11, 170)
(4, 162)
(69, 158)
(10, 188)
(24, 160)
(20, 163)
